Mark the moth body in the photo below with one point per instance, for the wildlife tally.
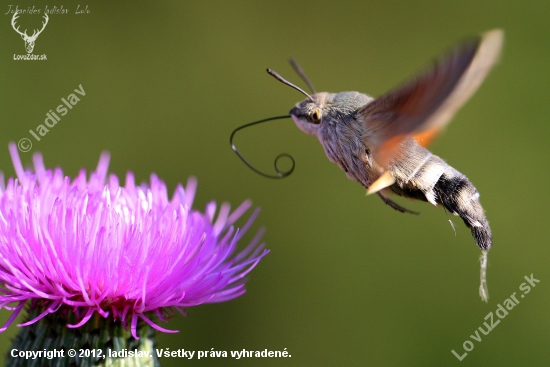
(337, 121)
(381, 142)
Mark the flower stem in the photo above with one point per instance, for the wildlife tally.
(95, 343)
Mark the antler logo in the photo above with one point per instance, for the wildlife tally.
(29, 40)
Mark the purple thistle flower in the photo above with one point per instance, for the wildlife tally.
(95, 246)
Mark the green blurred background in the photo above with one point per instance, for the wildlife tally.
(348, 281)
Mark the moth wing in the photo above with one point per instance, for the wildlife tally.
(421, 108)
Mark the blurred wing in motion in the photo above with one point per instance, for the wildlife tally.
(424, 106)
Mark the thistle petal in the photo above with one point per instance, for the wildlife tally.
(121, 251)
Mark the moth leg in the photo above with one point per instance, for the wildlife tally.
(394, 205)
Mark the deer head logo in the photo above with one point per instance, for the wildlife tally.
(29, 40)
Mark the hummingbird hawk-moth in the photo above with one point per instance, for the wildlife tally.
(381, 142)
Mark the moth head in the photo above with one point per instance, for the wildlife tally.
(308, 115)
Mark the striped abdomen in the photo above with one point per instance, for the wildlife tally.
(421, 175)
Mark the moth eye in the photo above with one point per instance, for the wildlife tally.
(315, 116)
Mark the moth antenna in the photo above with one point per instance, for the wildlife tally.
(302, 75)
(280, 174)
(284, 81)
